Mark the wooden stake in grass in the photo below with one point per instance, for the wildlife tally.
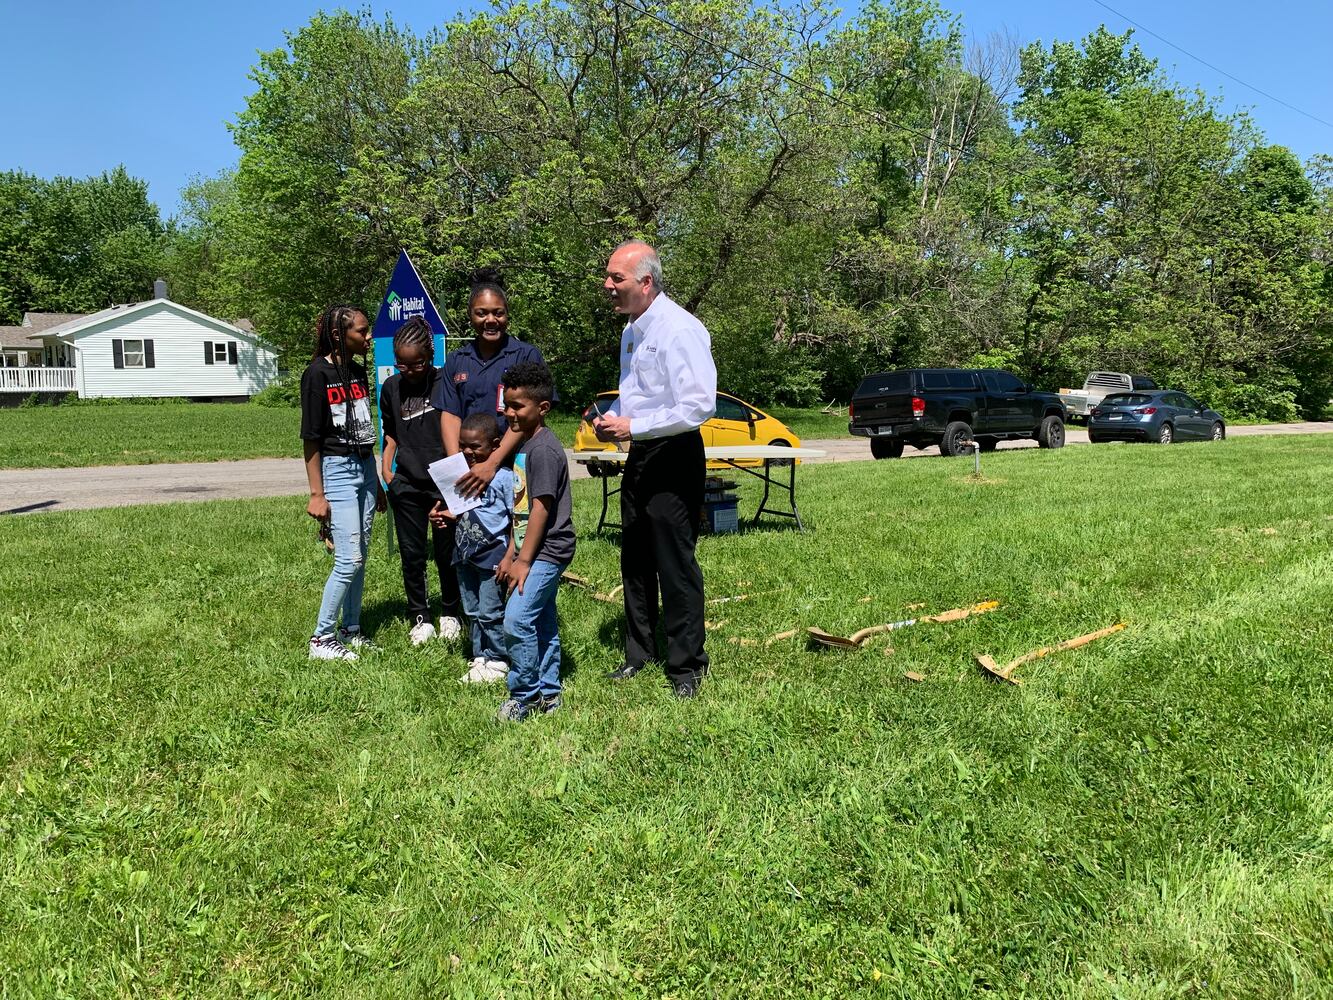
(1006, 673)
(858, 638)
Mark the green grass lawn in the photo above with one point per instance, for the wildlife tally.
(48, 437)
(190, 808)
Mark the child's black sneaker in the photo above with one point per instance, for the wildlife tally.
(328, 647)
(514, 710)
(551, 704)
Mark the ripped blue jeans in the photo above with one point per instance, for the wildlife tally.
(350, 484)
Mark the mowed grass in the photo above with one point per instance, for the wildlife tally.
(54, 437)
(190, 808)
(50, 437)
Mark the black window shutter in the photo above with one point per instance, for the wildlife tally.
(208, 352)
(118, 353)
(231, 353)
(148, 361)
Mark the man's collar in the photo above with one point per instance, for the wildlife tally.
(650, 315)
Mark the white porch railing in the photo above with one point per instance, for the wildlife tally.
(37, 379)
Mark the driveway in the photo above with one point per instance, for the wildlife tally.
(30, 491)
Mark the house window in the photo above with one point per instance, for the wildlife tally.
(219, 352)
(132, 354)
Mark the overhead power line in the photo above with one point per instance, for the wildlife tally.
(1216, 69)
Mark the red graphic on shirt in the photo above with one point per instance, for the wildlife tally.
(338, 393)
(460, 377)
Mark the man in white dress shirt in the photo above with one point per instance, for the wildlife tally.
(668, 388)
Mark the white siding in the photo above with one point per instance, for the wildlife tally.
(178, 347)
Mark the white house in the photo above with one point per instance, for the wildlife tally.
(154, 348)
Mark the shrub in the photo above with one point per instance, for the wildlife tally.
(279, 393)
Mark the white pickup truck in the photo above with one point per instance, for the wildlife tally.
(1099, 385)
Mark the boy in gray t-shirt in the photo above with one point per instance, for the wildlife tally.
(540, 547)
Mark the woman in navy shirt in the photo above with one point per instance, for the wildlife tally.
(473, 377)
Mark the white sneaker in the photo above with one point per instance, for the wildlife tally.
(485, 671)
(422, 632)
(327, 647)
(475, 668)
(450, 627)
(356, 640)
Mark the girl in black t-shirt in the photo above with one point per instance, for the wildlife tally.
(340, 467)
(412, 438)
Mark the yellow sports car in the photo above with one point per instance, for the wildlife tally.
(736, 422)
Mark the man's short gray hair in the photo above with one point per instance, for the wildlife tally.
(648, 263)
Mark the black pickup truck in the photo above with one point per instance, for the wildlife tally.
(950, 407)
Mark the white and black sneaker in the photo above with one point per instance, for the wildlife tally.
(328, 647)
(450, 627)
(355, 640)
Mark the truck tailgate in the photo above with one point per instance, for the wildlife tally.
(883, 398)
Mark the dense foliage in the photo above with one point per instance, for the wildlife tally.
(832, 197)
(71, 245)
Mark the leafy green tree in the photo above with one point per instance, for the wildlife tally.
(76, 245)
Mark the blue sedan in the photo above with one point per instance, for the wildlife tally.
(1162, 416)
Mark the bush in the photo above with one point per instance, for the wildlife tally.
(280, 393)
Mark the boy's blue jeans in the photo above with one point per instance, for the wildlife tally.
(532, 635)
(484, 605)
(350, 485)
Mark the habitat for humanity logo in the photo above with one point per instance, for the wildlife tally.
(400, 308)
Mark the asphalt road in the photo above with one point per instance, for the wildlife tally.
(28, 491)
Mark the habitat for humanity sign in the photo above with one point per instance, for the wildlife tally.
(406, 297)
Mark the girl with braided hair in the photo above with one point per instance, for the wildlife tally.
(412, 438)
(340, 467)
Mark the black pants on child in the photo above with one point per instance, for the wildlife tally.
(411, 509)
(661, 498)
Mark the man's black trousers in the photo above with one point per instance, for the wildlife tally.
(661, 498)
(411, 509)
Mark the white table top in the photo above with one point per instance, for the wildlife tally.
(737, 452)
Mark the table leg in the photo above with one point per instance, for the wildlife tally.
(607, 494)
(769, 483)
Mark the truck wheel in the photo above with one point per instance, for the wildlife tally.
(1051, 433)
(886, 447)
(956, 432)
(988, 444)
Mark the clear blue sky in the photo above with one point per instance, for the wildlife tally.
(90, 84)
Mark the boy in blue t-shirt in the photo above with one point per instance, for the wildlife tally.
(480, 538)
(541, 547)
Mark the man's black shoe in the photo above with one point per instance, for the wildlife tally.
(625, 671)
(688, 688)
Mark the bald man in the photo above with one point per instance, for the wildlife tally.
(668, 388)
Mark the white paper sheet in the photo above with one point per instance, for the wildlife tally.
(446, 472)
